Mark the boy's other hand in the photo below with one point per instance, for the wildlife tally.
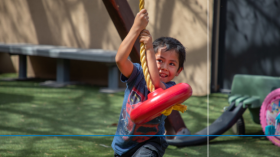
(141, 20)
(146, 38)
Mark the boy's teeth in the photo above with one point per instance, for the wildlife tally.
(162, 75)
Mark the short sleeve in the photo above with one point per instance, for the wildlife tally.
(137, 70)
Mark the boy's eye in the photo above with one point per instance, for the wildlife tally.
(172, 64)
(160, 61)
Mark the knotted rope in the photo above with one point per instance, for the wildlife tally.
(147, 77)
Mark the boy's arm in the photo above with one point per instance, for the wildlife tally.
(125, 65)
(146, 38)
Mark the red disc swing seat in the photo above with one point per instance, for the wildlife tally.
(158, 101)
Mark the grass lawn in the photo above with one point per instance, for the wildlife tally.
(29, 109)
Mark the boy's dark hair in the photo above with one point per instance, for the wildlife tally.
(171, 44)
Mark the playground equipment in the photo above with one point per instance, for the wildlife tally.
(248, 91)
(158, 101)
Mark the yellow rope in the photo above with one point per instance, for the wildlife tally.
(147, 77)
(143, 60)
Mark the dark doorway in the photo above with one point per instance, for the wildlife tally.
(249, 40)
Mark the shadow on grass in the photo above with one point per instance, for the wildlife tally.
(62, 117)
(228, 146)
(61, 146)
(235, 140)
(29, 109)
(58, 111)
(8, 98)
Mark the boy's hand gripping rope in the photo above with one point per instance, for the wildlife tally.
(147, 77)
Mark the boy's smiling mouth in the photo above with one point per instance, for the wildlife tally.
(163, 75)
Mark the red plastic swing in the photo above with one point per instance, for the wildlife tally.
(158, 101)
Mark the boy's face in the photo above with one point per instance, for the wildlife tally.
(167, 64)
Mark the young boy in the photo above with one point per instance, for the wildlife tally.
(165, 60)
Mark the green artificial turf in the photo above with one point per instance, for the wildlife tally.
(26, 108)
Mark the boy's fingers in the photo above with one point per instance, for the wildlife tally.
(144, 34)
(143, 11)
(143, 39)
(144, 16)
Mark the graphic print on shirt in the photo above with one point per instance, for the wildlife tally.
(150, 128)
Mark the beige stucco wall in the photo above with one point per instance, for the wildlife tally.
(86, 24)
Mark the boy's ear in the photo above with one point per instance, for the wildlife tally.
(179, 71)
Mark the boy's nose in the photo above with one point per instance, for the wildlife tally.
(164, 66)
